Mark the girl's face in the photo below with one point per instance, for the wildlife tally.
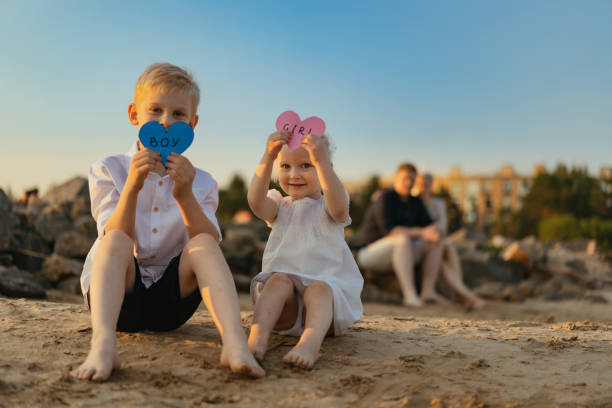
(296, 174)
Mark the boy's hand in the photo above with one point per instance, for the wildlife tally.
(275, 143)
(142, 163)
(182, 172)
(317, 148)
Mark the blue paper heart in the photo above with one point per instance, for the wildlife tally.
(177, 139)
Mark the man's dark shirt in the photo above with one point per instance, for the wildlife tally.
(390, 211)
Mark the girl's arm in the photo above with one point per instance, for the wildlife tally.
(335, 196)
(262, 206)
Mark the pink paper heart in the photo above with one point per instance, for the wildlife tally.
(289, 120)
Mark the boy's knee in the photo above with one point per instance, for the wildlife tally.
(202, 240)
(117, 237)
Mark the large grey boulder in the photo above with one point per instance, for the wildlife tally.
(28, 250)
(8, 222)
(56, 267)
(52, 222)
(72, 244)
(68, 191)
(17, 283)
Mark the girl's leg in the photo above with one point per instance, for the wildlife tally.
(276, 308)
(202, 265)
(319, 307)
(453, 275)
(113, 270)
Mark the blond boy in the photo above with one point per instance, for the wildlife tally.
(157, 252)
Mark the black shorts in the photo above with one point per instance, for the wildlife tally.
(159, 307)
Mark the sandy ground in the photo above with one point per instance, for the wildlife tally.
(536, 353)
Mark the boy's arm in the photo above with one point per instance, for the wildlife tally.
(262, 206)
(182, 172)
(124, 215)
(335, 195)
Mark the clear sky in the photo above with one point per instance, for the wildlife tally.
(440, 83)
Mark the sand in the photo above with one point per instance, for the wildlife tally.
(535, 353)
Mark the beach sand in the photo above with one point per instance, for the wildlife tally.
(536, 353)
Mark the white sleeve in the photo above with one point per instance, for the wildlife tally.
(348, 220)
(103, 193)
(277, 197)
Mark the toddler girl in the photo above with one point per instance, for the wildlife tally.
(309, 285)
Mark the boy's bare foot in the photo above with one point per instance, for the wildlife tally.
(100, 361)
(413, 302)
(241, 360)
(434, 298)
(258, 343)
(304, 354)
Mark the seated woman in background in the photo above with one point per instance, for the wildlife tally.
(450, 265)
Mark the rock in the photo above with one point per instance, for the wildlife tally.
(490, 291)
(86, 225)
(71, 284)
(5, 202)
(243, 282)
(72, 244)
(560, 287)
(68, 191)
(51, 222)
(28, 250)
(8, 222)
(57, 267)
(80, 206)
(499, 241)
(526, 251)
(476, 272)
(6, 259)
(371, 293)
(239, 246)
(17, 283)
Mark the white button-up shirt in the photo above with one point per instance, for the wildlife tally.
(159, 228)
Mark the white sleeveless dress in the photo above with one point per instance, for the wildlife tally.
(308, 245)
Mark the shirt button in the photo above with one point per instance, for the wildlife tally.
(161, 183)
(154, 230)
(155, 209)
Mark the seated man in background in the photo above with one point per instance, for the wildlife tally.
(451, 265)
(397, 233)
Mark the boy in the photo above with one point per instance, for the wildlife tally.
(157, 252)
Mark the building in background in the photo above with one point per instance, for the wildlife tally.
(483, 197)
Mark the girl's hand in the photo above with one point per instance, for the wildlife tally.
(317, 147)
(142, 163)
(182, 172)
(275, 143)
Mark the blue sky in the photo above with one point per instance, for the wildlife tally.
(440, 83)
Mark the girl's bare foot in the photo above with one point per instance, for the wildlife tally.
(258, 343)
(240, 360)
(304, 354)
(102, 359)
(434, 298)
(413, 302)
(475, 302)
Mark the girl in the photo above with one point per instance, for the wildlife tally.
(310, 285)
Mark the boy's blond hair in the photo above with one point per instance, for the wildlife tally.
(166, 77)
